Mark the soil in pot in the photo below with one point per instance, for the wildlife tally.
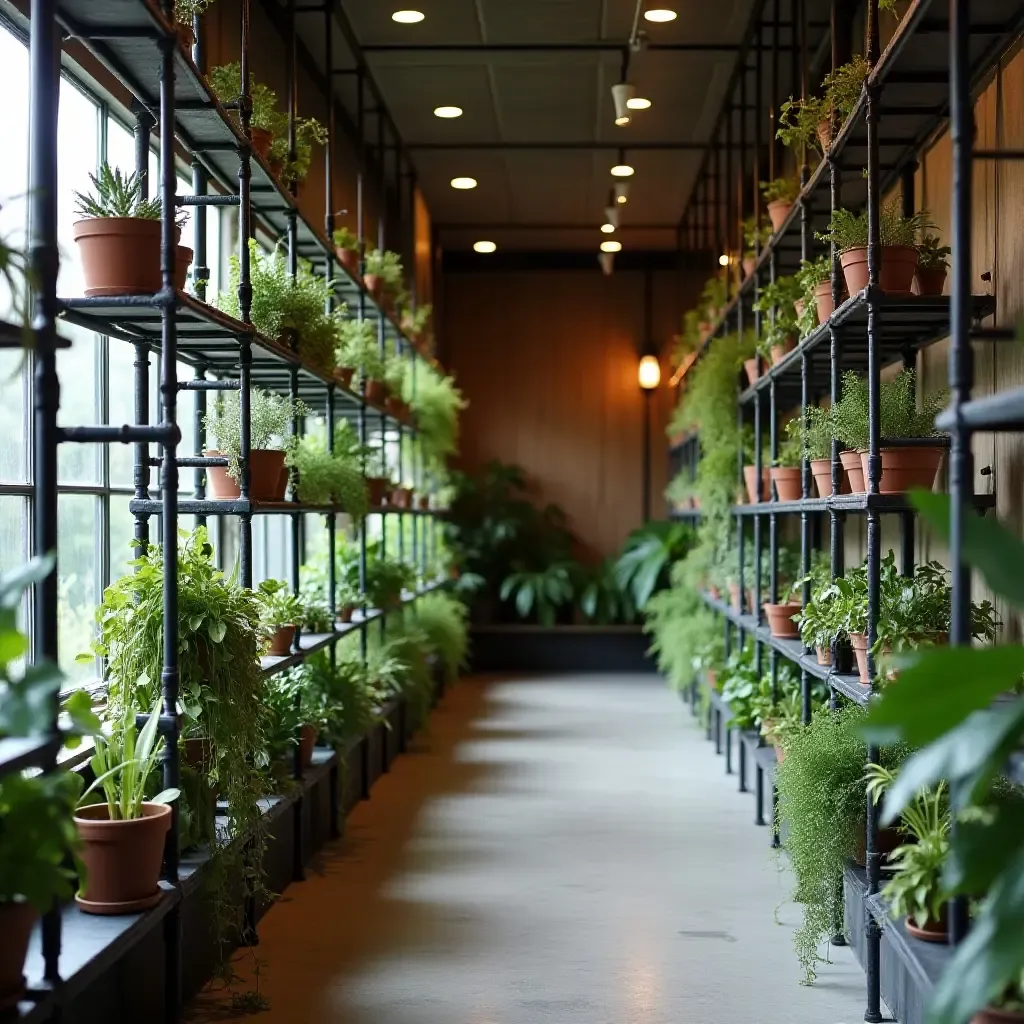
(904, 468)
(181, 265)
(930, 280)
(122, 858)
(780, 619)
(268, 477)
(787, 482)
(376, 391)
(16, 921)
(349, 259)
(753, 374)
(281, 645)
(750, 479)
(895, 276)
(859, 643)
(379, 488)
(778, 211)
(262, 140)
(823, 301)
(779, 352)
(933, 931)
(307, 743)
(854, 471)
(120, 255)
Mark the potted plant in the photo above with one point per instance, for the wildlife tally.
(543, 592)
(815, 282)
(804, 123)
(293, 170)
(359, 350)
(817, 444)
(777, 301)
(383, 273)
(754, 238)
(346, 248)
(184, 12)
(782, 617)
(118, 237)
(270, 417)
(781, 194)
(266, 122)
(386, 580)
(756, 492)
(347, 598)
(821, 620)
(123, 835)
(842, 91)
(848, 232)
(932, 264)
(787, 467)
(281, 614)
(903, 466)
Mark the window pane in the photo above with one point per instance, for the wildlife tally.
(78, 371)
(13, 532)
(77, 157)
(121, 404)
(122, 531)
(76, 524)
(13, 440)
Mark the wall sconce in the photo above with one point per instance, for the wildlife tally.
(648, 373)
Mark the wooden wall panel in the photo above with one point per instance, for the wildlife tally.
(548, 362)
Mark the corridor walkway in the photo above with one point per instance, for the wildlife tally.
(563, 850)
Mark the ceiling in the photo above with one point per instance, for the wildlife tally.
(534, 80)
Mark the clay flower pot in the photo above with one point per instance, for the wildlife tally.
(343, 375)
(930, 280)
(379, 488)
(376, 392)
(825, 134)
(281, 645)
(734, 597)
(904, 468)
(122, 858)
(859, 643)
(787, 482)
(895, 276)
(888, 840)
(748, 263)
(268, 477)
(186, 37)
(780, 619)
(345, 613)
(349, 259)
(401, 497)
(715, 593)
(778, 211)
(307, 742)
(16, 921)
(854, 470)
(933, 931)
(752, 371)
(750, 479)
(423, 501)
(373, 284)
(181, 265)
(262, 140)
(713, 678)
(120, 255)
(821, 470)
(823, 300)
(824, 655)
(779, 352)
(395, 406)
(992, 1015)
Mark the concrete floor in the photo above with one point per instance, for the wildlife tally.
(564, 850)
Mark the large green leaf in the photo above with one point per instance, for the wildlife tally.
(980, 847)
(938, 689)
(14, 583)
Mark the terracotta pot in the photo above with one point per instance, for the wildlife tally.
(349, 259)
(821, 470)
(823, 301)
(307, 742)
(262, 140)
(825, 134)
(276, 167)
(122, 858)
(780, 619)
(281, 645)
(343, 375)
(186, 37)
(854, 470)
(933, 931)
(859, 643)
(778, 211)
(895, 276)
(16, 921)
(748, 263)
(395, 406)
(780, 752)
(376, 392)
(991, 1015)
(753, 374)
(750, 479)
(713, 678)
(268, 477)
(779, 352)
(345, 612)
(749, 591)
(929, 280)
(715, 592)
(824, 655)
(734, 597)
(401, 497)
(903, 468)
(120, 255)
(379, 488)
(799, 306)
(787, 482)
(373, 284)
(423, 501)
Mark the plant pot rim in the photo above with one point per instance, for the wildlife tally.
(95, 816)
(864, 249)
(123, 225)
(782, 605)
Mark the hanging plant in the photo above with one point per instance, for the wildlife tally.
(308, 132)
(266, 122)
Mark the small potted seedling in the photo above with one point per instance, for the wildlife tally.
(184, 12)
(347, 599)
(266, 122)
(281, 613)
(291, 170)
(346, 248)
(781, 194)
(787, 467)
(932, 265)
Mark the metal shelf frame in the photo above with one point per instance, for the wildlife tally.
(137, 41)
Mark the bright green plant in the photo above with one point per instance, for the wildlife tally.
(714, 295)
(791, 448)
(396, 372)
(437, 403)
(359, 349)
(817, 432)
(278, 605)
(443, 619)
(783, 190)
(848, 230)
(308, 132)
(286, 712)
(345, 239)
(778, 296)
(270, 417)
(542, 592)
(811, 274)
(799, 120)
(226, 83)
(386, 578)
(114, 194)
(387, 265)
(754, 237)
(186, 10)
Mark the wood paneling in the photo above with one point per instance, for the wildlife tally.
(548, 362)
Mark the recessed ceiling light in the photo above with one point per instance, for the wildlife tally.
(608, 228)
(621, 122)
(611, 246)
(622, 171)
(408, 17)
(638, 103)
(484, 246)
(448, 111)
(463, 182)
(660, 14)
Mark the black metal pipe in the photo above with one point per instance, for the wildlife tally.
(126, 434)
(201, 200)
(199, 383)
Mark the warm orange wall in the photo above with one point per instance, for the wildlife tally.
(548, 361)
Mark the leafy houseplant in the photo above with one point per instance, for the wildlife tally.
(902, 467)
(293, 170)
(386, 579)
(643, 565)
(333, 478)
(436, 402)
(778, 301)
(754, 238)
(932, 264)
(118, 237)
(270, 417)
(359, 351)
(383, 274)
(780, 194)
(266, 122)
(601, 599)
(281, 613)
(123, 836)
(442, 618)
(346, 247)
(184, 12)
(814, 279)
(787, 467)
(542, 592)
(848, 232)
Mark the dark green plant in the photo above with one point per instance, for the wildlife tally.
(848, 230)
(116, 195)
(791, 448)
(931, 255)
(843, 87)
(226, 83)
(799, 120)
(278, 606)
(602, 598)
(540, 592)
(642, 566)
(443, 620)
(308, 132)
(386, 578)
(286, 713)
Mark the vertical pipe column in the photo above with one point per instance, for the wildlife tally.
(199, 425)
(907, 527)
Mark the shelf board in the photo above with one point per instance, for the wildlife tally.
(886, 504)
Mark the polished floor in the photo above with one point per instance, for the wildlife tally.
(564, 850)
